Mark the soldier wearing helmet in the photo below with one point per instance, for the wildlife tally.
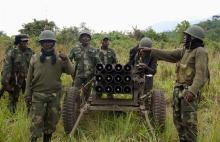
(43, 89)
(15, 69)
(192, 73)
(86, 58)
(148, 63)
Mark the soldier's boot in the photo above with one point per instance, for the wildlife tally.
(47, 137)
(34, 139)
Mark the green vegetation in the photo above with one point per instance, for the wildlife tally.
(109, 127)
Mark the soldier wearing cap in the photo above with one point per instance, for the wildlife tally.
(15, 69)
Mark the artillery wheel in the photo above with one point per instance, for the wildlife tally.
(158, 110)
(71, 109)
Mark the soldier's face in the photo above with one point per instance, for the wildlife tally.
(186, 40)
(105, 43)
(85, 39)
(23, 44)
(47, 44)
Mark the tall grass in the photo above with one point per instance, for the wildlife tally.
(109, 127)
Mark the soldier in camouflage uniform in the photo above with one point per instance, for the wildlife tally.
(192, 73)
(148, 63)
(107, 55)
(15, 69)
(86, 58)
(43, 89)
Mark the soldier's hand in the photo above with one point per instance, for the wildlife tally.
(141, 66)
(188, 96)
(63, 56)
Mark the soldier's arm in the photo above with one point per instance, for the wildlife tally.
(168, 55)
(115, 60)
(132, 54)
(201, 71)
(29, 77)
(7, 68)
(71, 55)
(97, 58)
(68, 67)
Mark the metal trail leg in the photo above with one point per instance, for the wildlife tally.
(82, 111)
(149, 124)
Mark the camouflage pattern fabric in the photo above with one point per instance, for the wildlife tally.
(86, 59)
(108, 56)
(185, 116)
(14, 73)
(45, 113)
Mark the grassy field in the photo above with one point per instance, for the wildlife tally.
(107, 127)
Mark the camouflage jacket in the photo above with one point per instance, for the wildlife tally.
(16, 65)
(192, 66)
(86, 59)
(108, 56)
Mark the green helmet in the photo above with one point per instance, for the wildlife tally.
(85, 32)
(105, 37)
(145, 42)
(195, 31)
(47, 35)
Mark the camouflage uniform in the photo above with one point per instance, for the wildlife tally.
(14, 73)
(150, 61)
(192, 73)
(44, 87)
(85, 58)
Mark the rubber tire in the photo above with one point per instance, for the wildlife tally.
(71, 109)
(158, 110)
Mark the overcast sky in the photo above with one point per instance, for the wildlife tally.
(103, 15)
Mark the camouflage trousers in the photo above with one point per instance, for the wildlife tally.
(79, 83)
(185, 116)
(45, 113)
(13, 99)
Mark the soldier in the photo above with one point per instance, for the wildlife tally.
(192, 73)
(148, 63)
(107, 55)
(86, 58)
(15, 70)
(43, 89)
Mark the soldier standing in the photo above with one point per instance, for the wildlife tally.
(148, 62)
(86, 58)
(192, 73)
(15, 69)
(43, 89)
(107, 55)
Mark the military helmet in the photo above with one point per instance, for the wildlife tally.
(85, 32)
(20, 37)
(196, 31)
(145, 42)
(47, 35)
(105, 37)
